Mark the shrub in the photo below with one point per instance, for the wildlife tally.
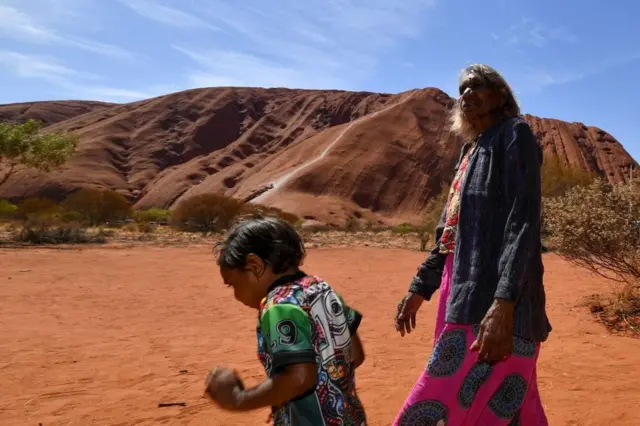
(98, 206)
(154, 214)
(215, 213)
(351, 225)
(260, 210)
(44, 232)
(146, 227)
(7, 210)
(605, 239)
(206, 213)
(32, 207)
(404, 228)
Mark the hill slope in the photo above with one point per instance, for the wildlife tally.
(326, 155)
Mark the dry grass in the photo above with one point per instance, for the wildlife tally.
(158, 235)
(620, 313)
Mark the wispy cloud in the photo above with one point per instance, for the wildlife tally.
(533, 33)
(65, 80)
(166, 15)
(232, 68)
(318, 44)
(536, 79)
(18, 25)
(42, 67)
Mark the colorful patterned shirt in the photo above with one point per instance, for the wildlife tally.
(303, 320)
(448, 239)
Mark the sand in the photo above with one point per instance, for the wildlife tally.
(101, 336)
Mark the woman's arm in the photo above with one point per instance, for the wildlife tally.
(522, 199)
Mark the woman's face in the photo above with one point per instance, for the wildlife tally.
(476, 98)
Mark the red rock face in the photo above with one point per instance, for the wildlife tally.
(48, 112)
(328, 154)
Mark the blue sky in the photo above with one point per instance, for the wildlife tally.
(572, 60)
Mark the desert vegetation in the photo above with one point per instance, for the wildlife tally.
(597, 227)
(85, 215)
(26, 146)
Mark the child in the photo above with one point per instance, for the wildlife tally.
(307, 340)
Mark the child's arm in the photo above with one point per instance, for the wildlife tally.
(357, 351)
(295, 380)
(227, 390)
(286, 329)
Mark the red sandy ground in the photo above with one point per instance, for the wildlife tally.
(100, 336)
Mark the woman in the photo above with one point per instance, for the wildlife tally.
(487, 263)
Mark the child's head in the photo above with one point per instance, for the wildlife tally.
(255, 253)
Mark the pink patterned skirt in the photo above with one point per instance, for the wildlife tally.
(457, 390)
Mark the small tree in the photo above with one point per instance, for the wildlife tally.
(24, 146)
(98, 206)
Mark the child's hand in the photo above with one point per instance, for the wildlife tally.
(224, 387)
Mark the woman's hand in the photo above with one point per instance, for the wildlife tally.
(495, 338)
(406, 314)
(224, 387)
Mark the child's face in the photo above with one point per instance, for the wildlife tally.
(249, 283)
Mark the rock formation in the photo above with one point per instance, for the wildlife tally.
(324, 155)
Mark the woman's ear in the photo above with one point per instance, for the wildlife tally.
(255, 264)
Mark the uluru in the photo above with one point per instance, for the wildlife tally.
(321, 154)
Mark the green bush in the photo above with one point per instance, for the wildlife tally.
(404, 228)
(154, 214)
(7, 210)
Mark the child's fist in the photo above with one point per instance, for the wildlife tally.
(224, 386)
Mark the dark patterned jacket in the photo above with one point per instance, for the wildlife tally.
(498, 251)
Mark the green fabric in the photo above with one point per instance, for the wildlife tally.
(287, 331)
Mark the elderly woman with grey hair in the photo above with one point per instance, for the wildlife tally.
(487, 263)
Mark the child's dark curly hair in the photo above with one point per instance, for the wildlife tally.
(273, 240)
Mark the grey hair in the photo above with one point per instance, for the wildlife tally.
(492, 78)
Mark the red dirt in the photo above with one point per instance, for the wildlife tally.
(237, 141)
(100, 336)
